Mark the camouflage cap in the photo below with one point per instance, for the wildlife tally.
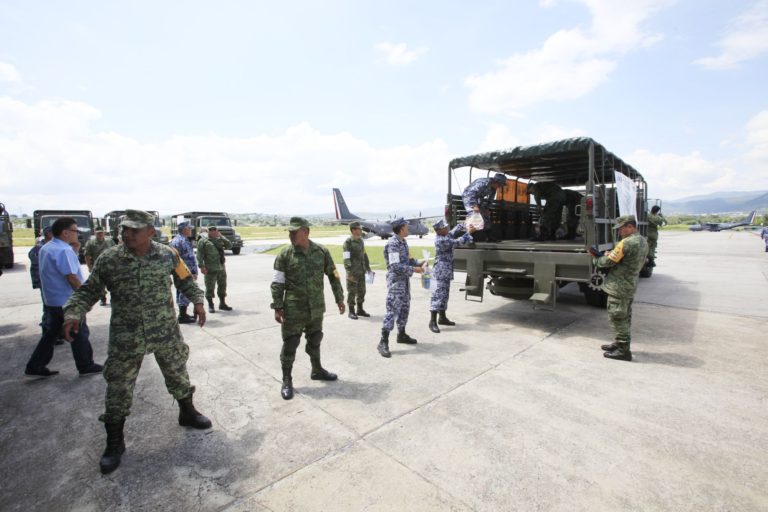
(440, 224)
(183, 225)
(624, 220)
(297, 223)
(397, 223)
(98, 229)
(137, 219)
(213, 227)
(499, 178)
(47, 229)
(355, 225)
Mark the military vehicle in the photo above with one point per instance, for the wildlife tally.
(6, 238)
(111, 224)
(520, 268)
(83, 218)
(201, 220)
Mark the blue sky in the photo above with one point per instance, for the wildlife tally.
(252, 106)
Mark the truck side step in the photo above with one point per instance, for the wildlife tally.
(540, 297)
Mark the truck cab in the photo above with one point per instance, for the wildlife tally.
(514, 263)
(201, 220)
(111, 224)
(83, 218)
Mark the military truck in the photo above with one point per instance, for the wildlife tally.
(83, 218)
(200, 220)
(6, 238)
(518, 267)
(111, 224)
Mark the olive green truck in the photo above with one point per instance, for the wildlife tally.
(514, 265)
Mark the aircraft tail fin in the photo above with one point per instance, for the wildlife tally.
(342, 211)
(751, 217)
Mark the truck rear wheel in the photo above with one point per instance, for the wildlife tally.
(596, 298)
(647, 270)
(236, 250)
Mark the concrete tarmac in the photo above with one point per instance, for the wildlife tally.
(512, 409)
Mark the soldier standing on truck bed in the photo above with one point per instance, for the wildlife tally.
(625, 260)
(551, 214)
(210, 259)
(442, 274)
(356, 264)
(478, 196)
(93, 248)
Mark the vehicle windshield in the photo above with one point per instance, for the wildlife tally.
(219, 221)
(83, 222)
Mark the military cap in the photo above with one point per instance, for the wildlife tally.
(355, 225)
(500, 178)
(440, 224)
(624, 220)
(98, 229)
(297, 223)
(137, 219)
(397, 223)
(183, 225)
(213, 227)
(47, 229)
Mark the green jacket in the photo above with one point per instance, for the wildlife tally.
(298, 281)
(654, 223)
(94, 248)
(210, 252)
(355, 258)
(625, 260)
(140, 289)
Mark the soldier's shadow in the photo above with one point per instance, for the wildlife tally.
(667, 359)
(437, 348)
(365, 392)
(9, 329)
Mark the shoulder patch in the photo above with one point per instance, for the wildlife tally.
(617, 253)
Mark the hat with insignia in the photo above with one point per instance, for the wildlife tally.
(397, 223)
(297, 223)
(440, 224)
(137, 219)
(624, 220)
(355, 225)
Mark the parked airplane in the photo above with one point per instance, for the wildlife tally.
(373, 228)
(719, 226)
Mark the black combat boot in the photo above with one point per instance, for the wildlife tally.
(211, 309)
(622, 352)
(184, 317)
(404, 338)
(110, 459)
(223, 306)
(361, 311)
(609, 348)
(383, 347)
(433, 322)
(320, 373)
(651, 262)
(191, 417)
(351, 313)
(286, 391)
(443, 320)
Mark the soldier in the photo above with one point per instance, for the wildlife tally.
(298, 300)
(93, 248)
(764, 236)
(400, 268)
(210, 258)
(442, 274)
(551, 214)
(143, 321)
(572, 200)
(183, 246)
(655, 221)
(478, 195)
(34, 269)
(356, 264)
(625, 261)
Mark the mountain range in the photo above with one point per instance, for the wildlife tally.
(719, 202)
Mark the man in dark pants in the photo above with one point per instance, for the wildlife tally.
(60, 274)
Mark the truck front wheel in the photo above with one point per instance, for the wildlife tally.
(236, 250)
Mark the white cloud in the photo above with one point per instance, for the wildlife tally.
(9, 73)
(398, 54)
(570, 63)
(499, 136)
(51, 156)
(745, 38)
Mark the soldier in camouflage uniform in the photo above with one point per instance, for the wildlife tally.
(479, 194)
(624, 261)
(356, 264)
(93, 248)
(210, 259)
(138, 275)
(552, 213)
(299, 302)
(184, 247)
(442, 274)
(655, 221)
(400, 268)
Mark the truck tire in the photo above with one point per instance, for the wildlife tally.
(236, 250)
(646, 271)
(596, 298)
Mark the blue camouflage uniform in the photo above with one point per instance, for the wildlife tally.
(184, 247)
(442, 274)
(479, 193)
(399, 271)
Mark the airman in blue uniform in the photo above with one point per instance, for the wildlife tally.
(442, 274)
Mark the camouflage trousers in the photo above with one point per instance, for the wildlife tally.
(653, 241)
(298, 322)
(620, 318)
(441, 289)
(398, 305)
(214, 279)
(356, 290)
(122, 368)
